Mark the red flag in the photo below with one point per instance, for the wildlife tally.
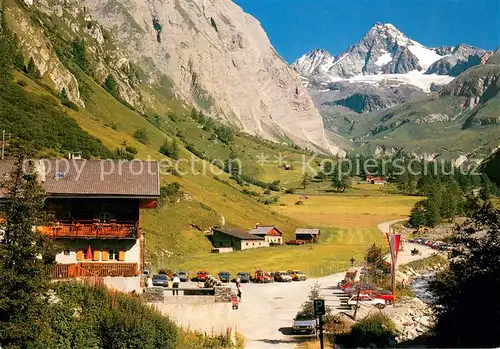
(88, 254)
(394, 240)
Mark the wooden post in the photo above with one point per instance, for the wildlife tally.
(394, 282)
(357, 305)
(3, 143)
(321, 345)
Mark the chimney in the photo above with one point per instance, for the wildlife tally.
(40, 170)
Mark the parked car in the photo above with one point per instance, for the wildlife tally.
(202, 275)
(244, 276)
(262, 276)
(386, 295)
(160, 280)
(359, 286)
(366, 300)
(224, 276)
(304, 327)
(183, 275)
(295, 242)
(282, 276)
(297, 275)
(348, 284)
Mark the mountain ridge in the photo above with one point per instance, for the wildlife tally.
(386, 50)
(220, 59)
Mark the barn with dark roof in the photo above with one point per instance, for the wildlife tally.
(236, 238)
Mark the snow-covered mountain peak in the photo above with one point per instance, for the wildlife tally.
(383, 54)
(309, 63)
(389, 31)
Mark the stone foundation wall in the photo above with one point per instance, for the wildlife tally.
(222, 294)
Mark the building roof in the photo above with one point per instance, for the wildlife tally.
(238, 233)
(63, 177)
(263, 230)
(307, 231)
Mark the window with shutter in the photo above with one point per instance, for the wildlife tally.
(121, 255)
(113, 254)
(105, 255)
(97, 255)
(79, 255)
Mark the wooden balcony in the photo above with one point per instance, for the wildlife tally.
(86, 270)
(91, 230)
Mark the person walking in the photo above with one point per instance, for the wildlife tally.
(238, 287)
(175, 285)
(149, 282)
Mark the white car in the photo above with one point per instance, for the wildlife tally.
(282, 276)
(365, 300)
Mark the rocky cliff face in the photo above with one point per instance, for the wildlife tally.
(457, 60)
(220, 59)
(478, 85)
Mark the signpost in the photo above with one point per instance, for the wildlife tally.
(319, 310)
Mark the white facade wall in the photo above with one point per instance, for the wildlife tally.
(274, 239)
(132, 250)
(248, 244)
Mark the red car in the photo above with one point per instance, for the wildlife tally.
(387, 296)
(295, 242)
(202, 275)
(348, 284)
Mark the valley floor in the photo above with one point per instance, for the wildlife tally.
(348, 223)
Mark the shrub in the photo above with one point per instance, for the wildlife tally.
(270, 200)
(80, 54)
(275, 185)
(142, 136)
(122, 154)
(195, 151)
(377, 329)
(290, 191)
(267, 191)
(170, 149)
(110, 85)
(238, 180)
(91, 317)
(306, 311)
(170, 189)
(224, 133)
(21, 83)
(249, 192)
(32, 69)
(131, 150)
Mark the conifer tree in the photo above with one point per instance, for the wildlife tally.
(25, 258)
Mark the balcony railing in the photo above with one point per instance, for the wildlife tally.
(90, 229)
(86, 270)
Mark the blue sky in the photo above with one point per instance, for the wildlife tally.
(297, 26)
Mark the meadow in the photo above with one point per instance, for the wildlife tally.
(348, 223)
